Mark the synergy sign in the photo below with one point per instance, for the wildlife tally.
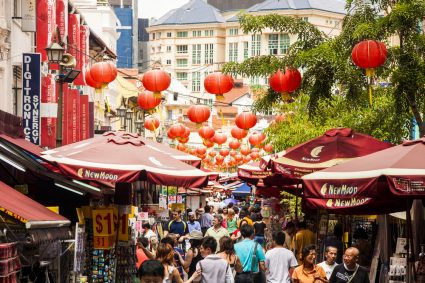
(31, 91)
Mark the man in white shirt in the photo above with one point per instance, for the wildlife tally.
(279, 261)
(329, 264)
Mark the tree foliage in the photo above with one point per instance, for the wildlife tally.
(326, 65)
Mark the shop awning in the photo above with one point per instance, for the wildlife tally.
(28, 211)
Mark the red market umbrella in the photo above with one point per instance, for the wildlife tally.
(376, 182)
(251, 172)
(122, 157)
(334, 147)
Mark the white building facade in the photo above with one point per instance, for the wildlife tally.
(196, 39)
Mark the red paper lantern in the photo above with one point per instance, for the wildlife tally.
(224, 152)
(247, 159)
(192, 151)
(183, 140)
(198, 113)
(255, 149)
(233, 153)
(238, 157)
(219, 159)
(104, 72)
(156, 81)
(246, 120)
(181, 147)
(234, 144)
(152, 124)
(256, 139)
(245, 150)
(147, 100)
(238, 133)
(208, 143)
(218, 84)
(369, 54)
(212, 153)
(177, 130)
(170, 134)
(268, 148)
(90, 81)
(201, 150)
(206, 160)
(206, 132)
(254, 155)
(219, 138)
(286, 82)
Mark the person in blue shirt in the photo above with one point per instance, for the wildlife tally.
(245, 251)
(192, 224)
(176, 226)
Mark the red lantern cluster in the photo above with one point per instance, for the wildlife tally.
(238, 133)
(147, 100)
(234, 144)
(218, 84)
(246, 120)
(152, 124)
(285, 82)
(156, 81)
(245, 150)
(219, 138)
(198, 113)
(179, 132)
(369, 54)
(224, 152)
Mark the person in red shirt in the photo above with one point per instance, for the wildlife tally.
(140, 254)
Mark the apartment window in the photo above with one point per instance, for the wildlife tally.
(209, 32)
(159, 48)
(245, 50)
(233, 52)
(256, 45)
(209, 53)
(305, 19)
(233, 31)
(284, 43)
(153, 36)
(254, 80)
(168, 62)
(273, 44)
(196, 54)
(181, 63)
(17, 8)
(182, 34)
(153, 49)
(169, 34)
(206, 73)
(159, 35)
(168, 48)
(196, 81)
(175, 96)
(210, 101)
(182, 76)
(182, 49)
(197, 33)
(198, 101)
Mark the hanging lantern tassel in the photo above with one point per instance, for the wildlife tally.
(370, 72)
(222, 117)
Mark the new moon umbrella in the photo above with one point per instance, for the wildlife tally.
(332, 148)
(252, 173)
(382, 180)
(122, 157)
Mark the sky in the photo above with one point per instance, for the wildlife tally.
(157, 8)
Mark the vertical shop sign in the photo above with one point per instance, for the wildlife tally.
(84, 58)
(65, 112)
(31, 86)
(74, 46)
(62, 17)
(49, 110)
(73, 118)
(28, 22)
(46, 23)
(84, 117)
(91, 119)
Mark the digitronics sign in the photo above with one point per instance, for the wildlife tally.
(31, 89)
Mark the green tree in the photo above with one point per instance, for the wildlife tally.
(326, 64)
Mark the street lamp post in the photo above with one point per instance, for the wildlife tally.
(67, 74)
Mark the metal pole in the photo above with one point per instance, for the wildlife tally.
(60, 111)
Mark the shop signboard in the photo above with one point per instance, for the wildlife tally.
(46, 24)
(28, 15)
(103, 228)
(49, 109)
(31, 86)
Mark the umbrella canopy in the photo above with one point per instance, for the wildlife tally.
(379, 180)
(123, 157)
(242, 190)
(334, 147)
(251, 172)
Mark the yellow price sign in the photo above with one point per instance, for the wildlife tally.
(103, 242)
(123, 228)
(103, 222)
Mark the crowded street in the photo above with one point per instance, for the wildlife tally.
(212, 141)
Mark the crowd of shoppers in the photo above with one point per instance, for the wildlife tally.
(232, 247)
